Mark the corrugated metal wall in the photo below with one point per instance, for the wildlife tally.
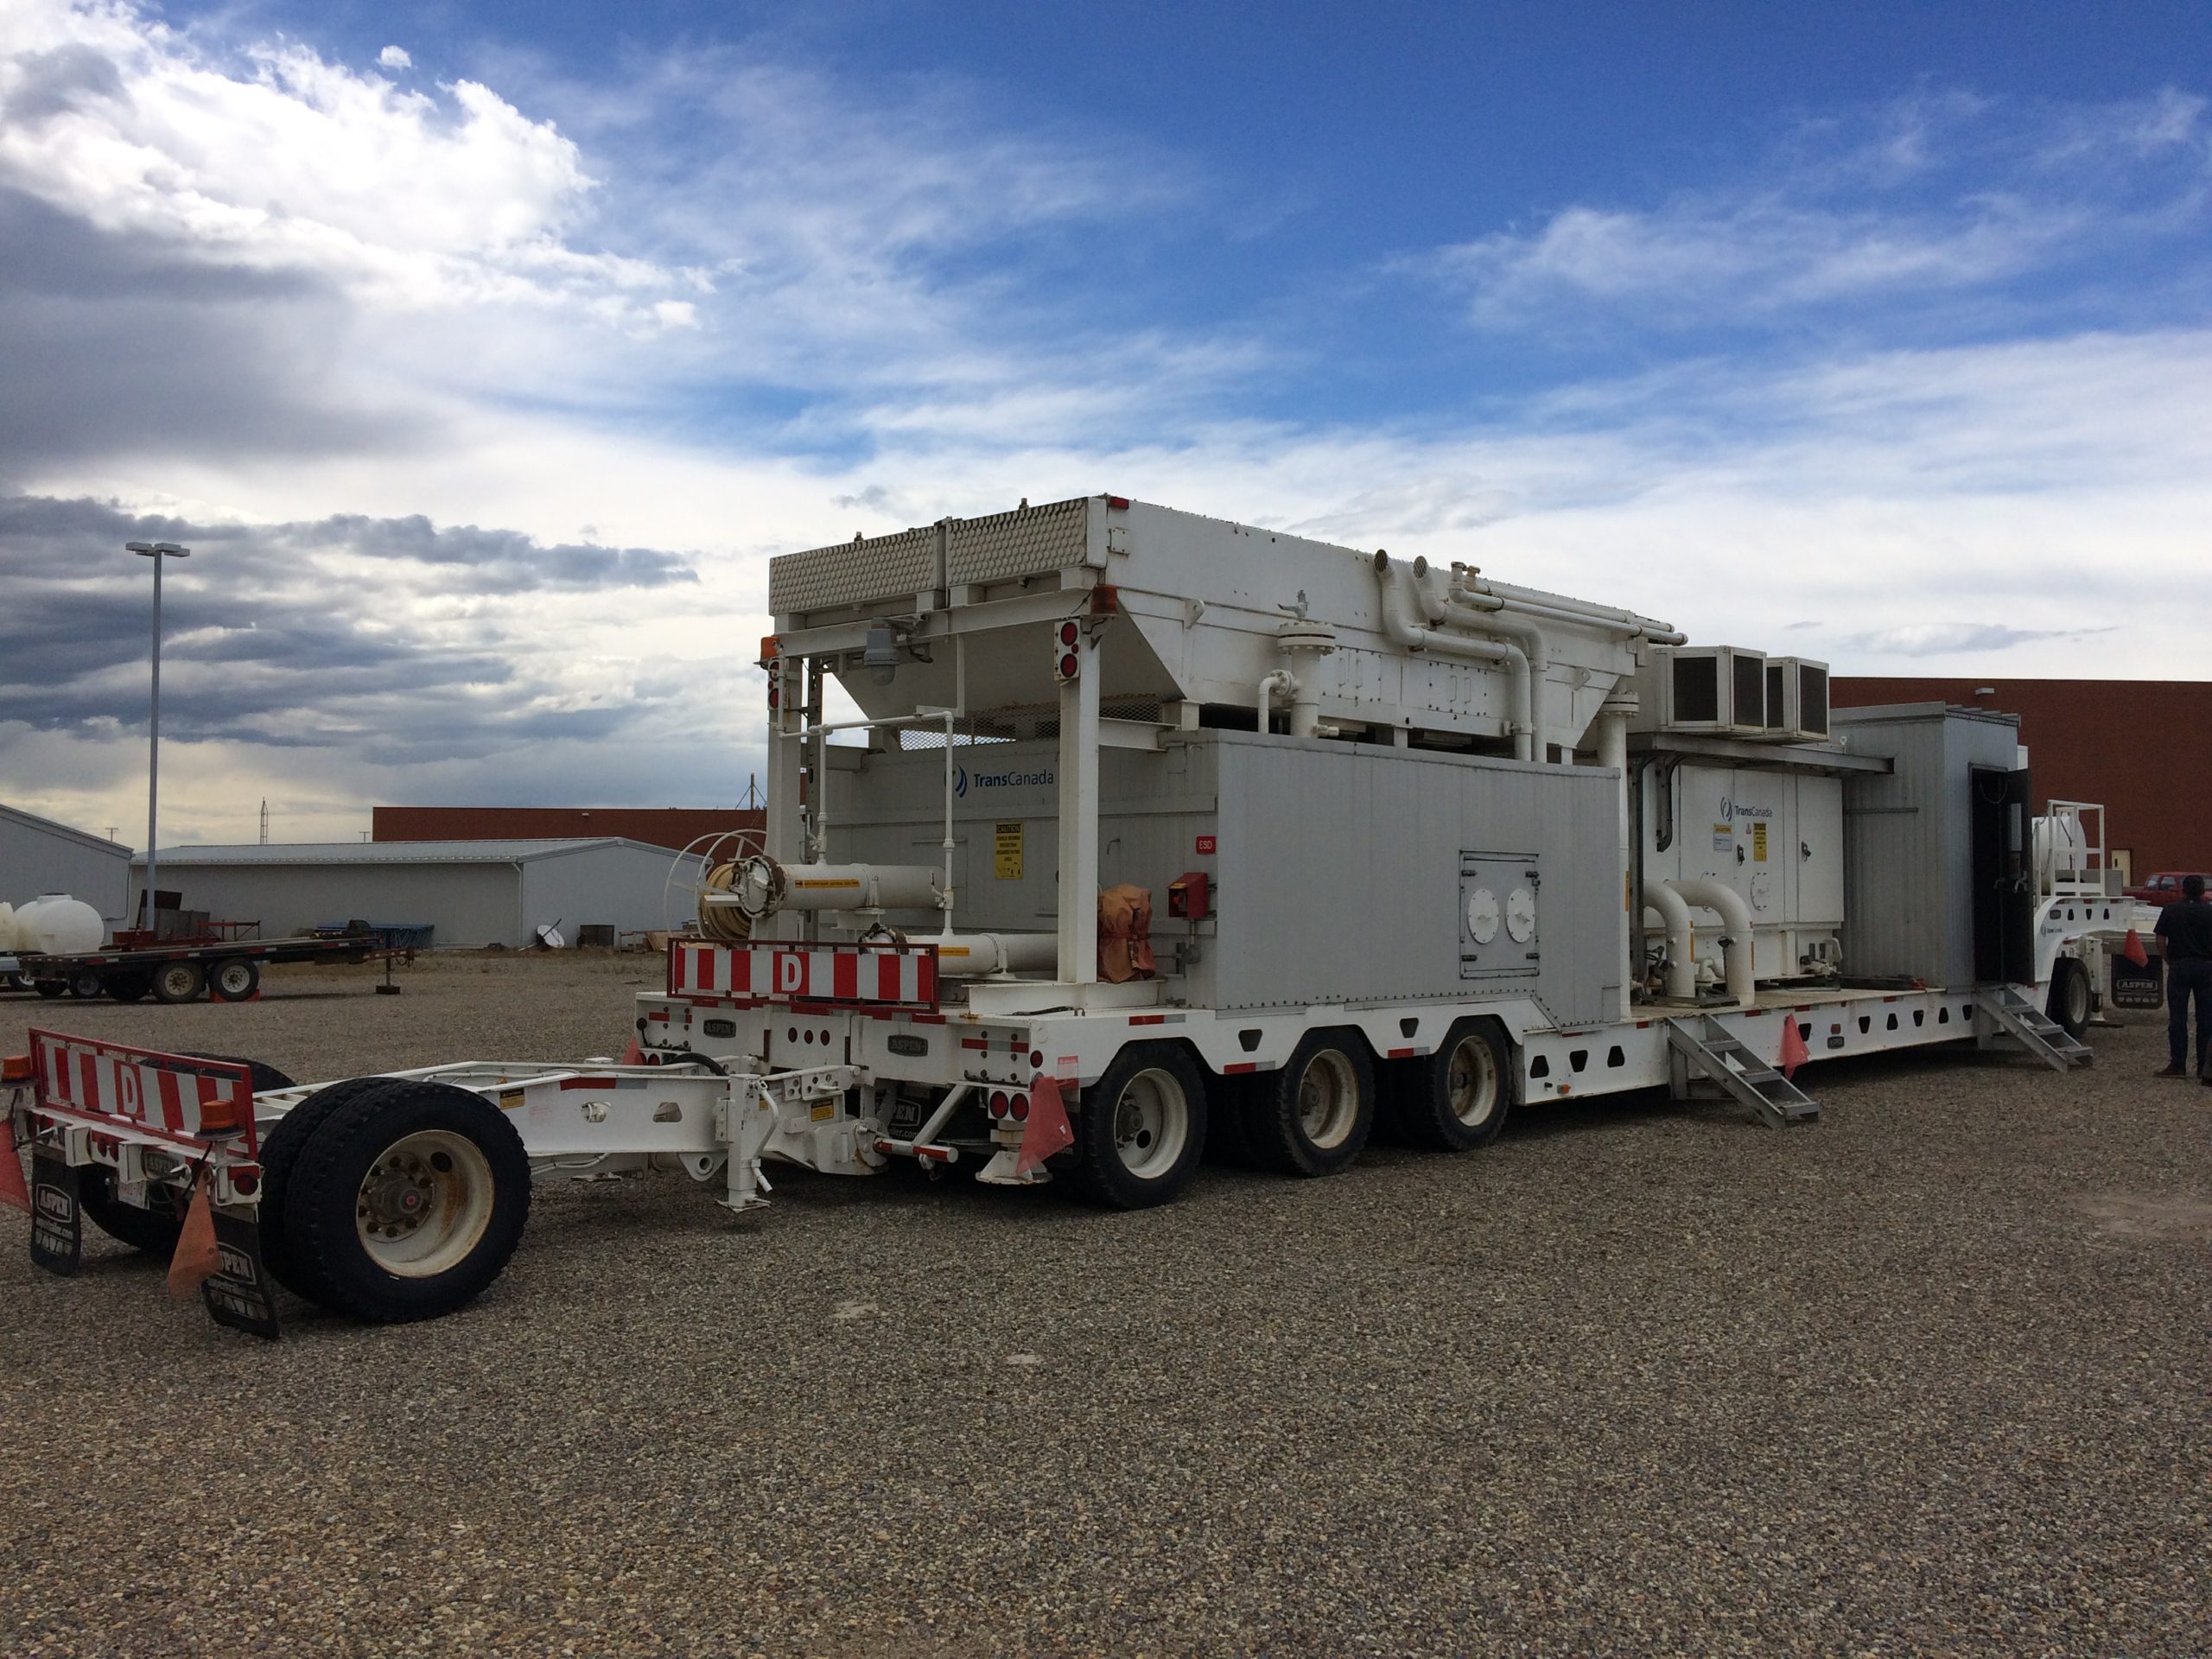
(1908, 855)
(627, 888)
(35, 859)
(470, 904)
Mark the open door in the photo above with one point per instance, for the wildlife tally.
(2004, 878)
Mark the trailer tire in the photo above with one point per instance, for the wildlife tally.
(234, 979)
(88, 984)
(2070, 1002)
(1455, 1100)
(1315, 1117)
(279, 1152)
(51, 987)
(180, 982)
(127, 1223)
(406, 1200)
(129, 987)
(1142, 1129)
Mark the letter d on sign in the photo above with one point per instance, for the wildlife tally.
(790, 972)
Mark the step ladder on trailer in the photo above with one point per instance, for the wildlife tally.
(1707, 1061)
(2015, 1017)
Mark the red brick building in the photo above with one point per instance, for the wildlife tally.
(2143, 747)
(674, 826)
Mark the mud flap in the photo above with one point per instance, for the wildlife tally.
(239, 1294)
(57, 1219)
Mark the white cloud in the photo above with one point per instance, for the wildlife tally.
(278, 161)
(1935, 195)
(395, 57)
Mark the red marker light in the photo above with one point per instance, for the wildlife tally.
(1069, 633)
(999, 1103)
(1020, 1108)
(1068, 666)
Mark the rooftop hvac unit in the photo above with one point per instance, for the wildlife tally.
(1797, 700)
(1716, 689)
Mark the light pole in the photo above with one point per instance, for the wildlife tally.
(158, 552)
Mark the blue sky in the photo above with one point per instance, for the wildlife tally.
(1880, 332)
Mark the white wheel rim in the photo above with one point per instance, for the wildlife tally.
(176, 981)
(233, 976)
(1471, 1083)
(1152, 1124)
(424, 1203)
(2077, 998)
(1328, 1099)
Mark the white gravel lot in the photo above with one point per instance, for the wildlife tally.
(1930, 1377)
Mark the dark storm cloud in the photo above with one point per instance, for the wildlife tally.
(53, 83)
(305, 642)
(114, 346)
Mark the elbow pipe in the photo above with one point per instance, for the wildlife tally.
(1674, 913)
(1280, 680)
(1735, 916)
(1474, 589)
(1405, 633)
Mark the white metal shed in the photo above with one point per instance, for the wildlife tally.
(39, 855)
(474, 892)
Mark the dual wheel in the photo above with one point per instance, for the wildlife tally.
(385, 1198)
(1144, 1126)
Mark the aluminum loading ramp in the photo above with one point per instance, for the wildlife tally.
(1708, 1061)
(2015, 1017)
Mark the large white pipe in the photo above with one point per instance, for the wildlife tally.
(972, 956)
(1674, 914)
(1518, 632)
(1735, 916)
(1405, 633)
(1467, 584)
(1613, 751)
(765, 888)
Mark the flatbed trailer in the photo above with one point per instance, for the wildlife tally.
(181, 970)
(1433, 850)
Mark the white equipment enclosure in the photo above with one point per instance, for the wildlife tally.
(1157, 835)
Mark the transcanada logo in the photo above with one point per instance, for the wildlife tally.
(1008, 779)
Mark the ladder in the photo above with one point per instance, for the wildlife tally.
(1703, 1051)
(2027, 1025)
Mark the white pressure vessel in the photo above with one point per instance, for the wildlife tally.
(55, 924)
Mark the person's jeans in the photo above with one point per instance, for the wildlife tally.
(2188, 981)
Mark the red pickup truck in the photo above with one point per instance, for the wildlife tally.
(2164, 889)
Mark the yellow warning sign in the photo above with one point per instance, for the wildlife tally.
(1759, 841)
(1006, 852)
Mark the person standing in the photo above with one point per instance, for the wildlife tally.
(2186, 929)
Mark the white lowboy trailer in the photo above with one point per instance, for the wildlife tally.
(1420, 847)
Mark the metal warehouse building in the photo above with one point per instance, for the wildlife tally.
(39, 855)
(474, 892)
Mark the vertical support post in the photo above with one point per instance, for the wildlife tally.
(152, 917)
(785, 837)
(1613, 751)
(1079, 769)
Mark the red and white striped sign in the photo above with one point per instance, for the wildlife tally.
(161, 1094)
(779, 971)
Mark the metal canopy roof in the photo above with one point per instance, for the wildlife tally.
(398, 852)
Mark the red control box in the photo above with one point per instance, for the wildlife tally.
(1190, 896)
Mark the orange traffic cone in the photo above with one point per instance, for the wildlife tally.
(198, 1258)
(2134, 952)
(12, 1190)
(1794, 1052)
(1047, 1130)
(633, 1055)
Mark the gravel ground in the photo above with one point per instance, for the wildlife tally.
(1640, 1378)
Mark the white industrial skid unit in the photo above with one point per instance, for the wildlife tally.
(1419, 847)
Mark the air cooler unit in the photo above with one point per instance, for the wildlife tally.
(1718, 690)
(1797, 700)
